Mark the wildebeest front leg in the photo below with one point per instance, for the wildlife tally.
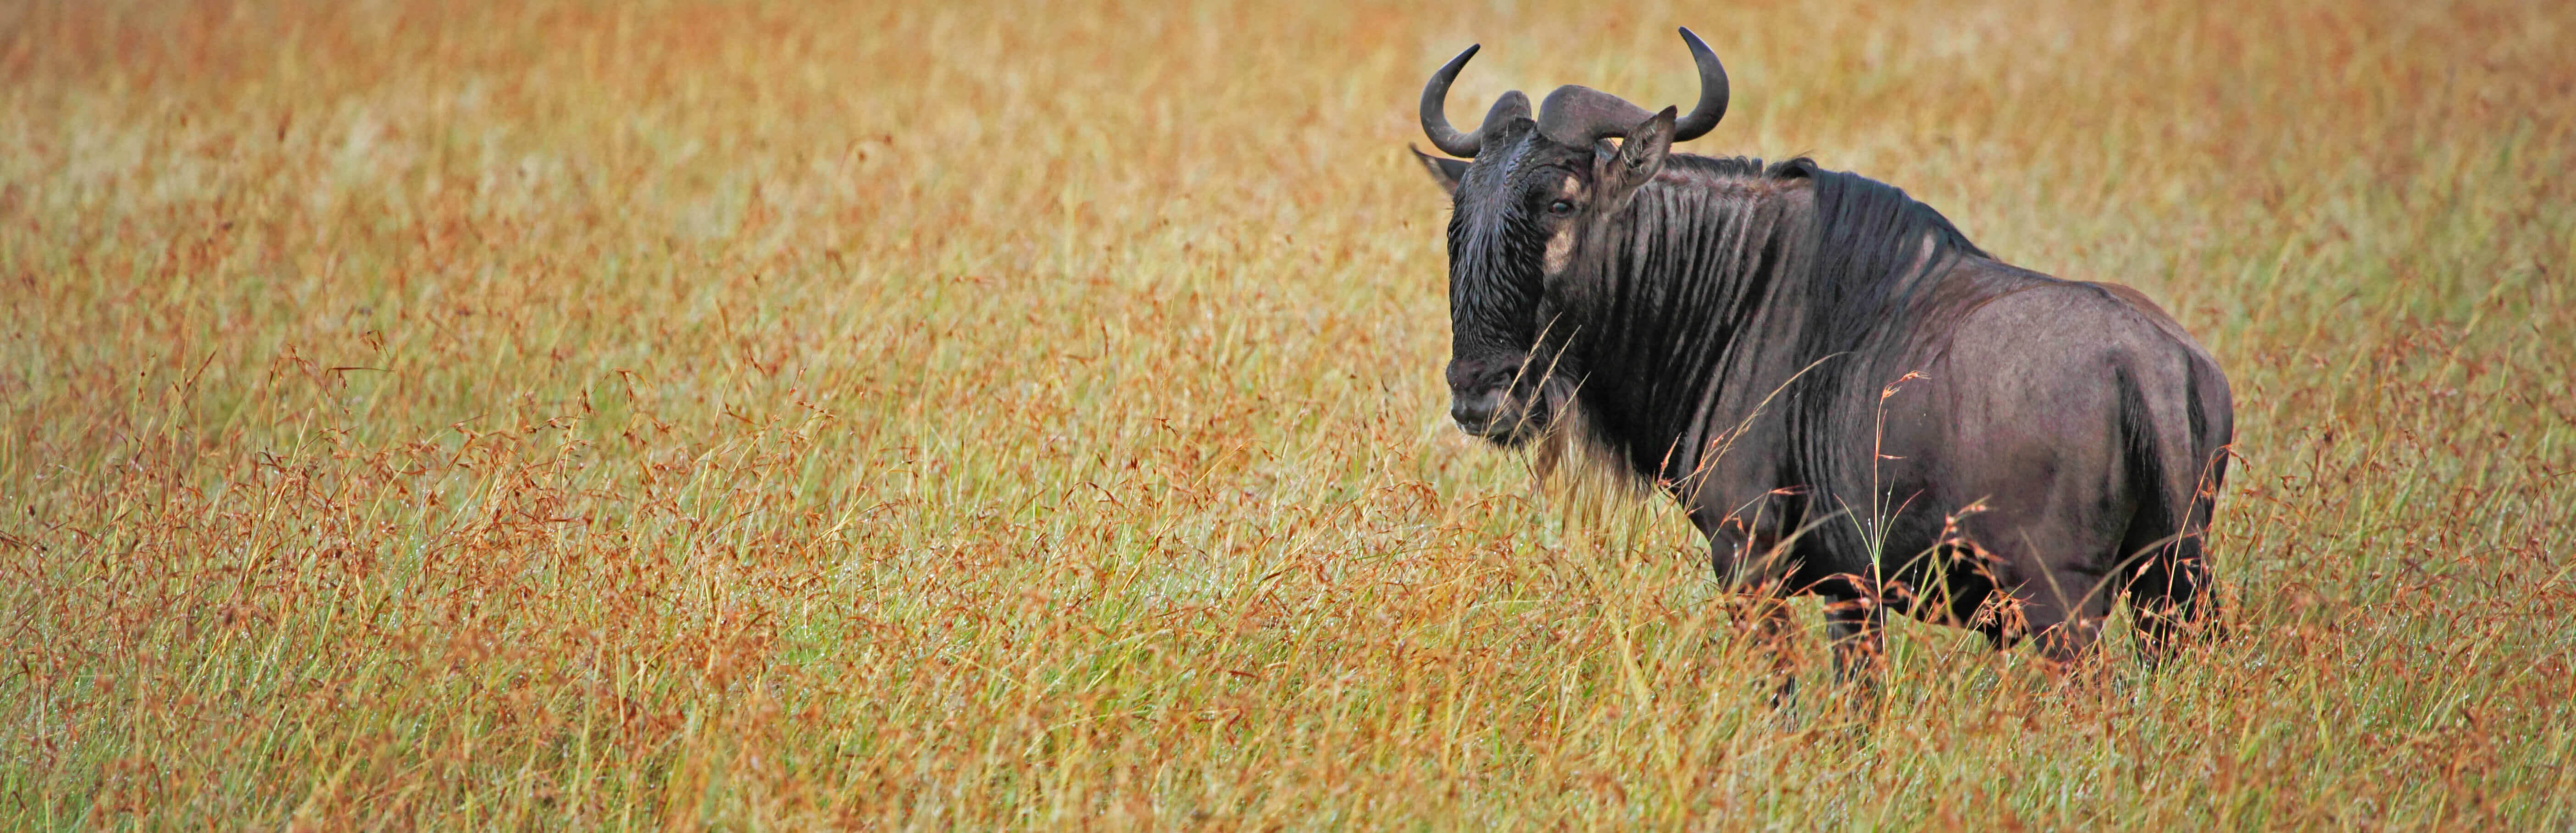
(1856, 625)
(1772, 630)
(1741, 563)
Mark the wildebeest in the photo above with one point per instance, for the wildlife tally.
(1847, 396)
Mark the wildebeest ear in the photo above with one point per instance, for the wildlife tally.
(1444, 171)
(1640, 156)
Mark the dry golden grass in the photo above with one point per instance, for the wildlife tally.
(1022, 415)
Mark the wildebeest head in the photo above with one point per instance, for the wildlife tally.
(1539, 193)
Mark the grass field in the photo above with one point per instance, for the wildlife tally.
(1028, 415)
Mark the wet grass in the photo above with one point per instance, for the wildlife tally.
(640, 415)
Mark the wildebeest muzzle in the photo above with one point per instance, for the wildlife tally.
(1497, 398)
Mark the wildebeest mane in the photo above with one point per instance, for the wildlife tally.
(1873, 244)
(1714, 267)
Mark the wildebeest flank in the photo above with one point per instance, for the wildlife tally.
(1846, 394)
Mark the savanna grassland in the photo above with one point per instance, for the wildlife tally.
(1029, 415)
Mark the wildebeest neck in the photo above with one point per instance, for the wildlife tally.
(1729, 290)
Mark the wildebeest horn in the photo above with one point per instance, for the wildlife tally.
(1435, 121)
(1712, 92)
(1578, 115)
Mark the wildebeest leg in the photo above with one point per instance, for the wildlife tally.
(2168, 592)
(1855, 625)
(1742, 562)
(1767, 612)
(2166, 603)
(2066, 632)
(2056, 598)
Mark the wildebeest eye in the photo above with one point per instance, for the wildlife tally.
(1560, 207)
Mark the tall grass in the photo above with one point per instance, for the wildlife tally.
(1028, 415)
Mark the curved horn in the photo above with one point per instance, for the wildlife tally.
(1712, 92)
(1578, 116)
(1435, 121)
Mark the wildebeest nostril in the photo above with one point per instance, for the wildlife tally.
(1472, 413)
(1484, 374)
